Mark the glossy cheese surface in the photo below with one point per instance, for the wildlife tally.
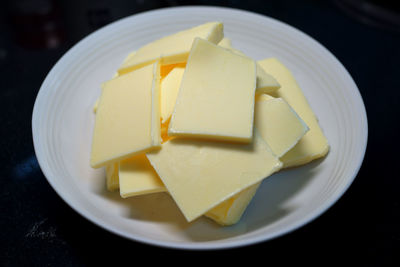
(199, 175)
(216, 96)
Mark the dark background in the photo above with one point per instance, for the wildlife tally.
(38, 229)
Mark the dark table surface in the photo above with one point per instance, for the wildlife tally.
(37, 228)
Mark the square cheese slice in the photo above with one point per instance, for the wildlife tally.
(127, 117)
(216, 96)
(313, 144)
(265, 82)
(199, 175)
(137, 177)
(173, 48)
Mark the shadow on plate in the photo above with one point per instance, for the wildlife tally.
(270, 204)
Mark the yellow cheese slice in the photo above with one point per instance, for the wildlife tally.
(199, 175)
(278, 124)
(216, 97)
(231, 210)
(173, 48)
(112, 179)
(137, 177)
(314, 144)
(265, 82)
(128, 117)
(169, 92)
(281, 128)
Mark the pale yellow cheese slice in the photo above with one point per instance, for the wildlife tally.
(128, 117)
(231, 210)
(169, 92)
(314, 144)
(216, 97)
(137, 177)
(112, 179)
(173, 48)
(279, 126)
(265, 82)
(199, 175)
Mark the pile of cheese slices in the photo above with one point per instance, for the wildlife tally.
(190, 115)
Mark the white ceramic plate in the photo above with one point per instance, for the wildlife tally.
(63, 121)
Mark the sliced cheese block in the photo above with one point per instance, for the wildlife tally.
(281, 128)
(137, 177)
(112, 179)
(314, 144)
(199, 175)
(265, 82)
(169, 92)
(216, 97)
(128, 117)
(173, 48)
